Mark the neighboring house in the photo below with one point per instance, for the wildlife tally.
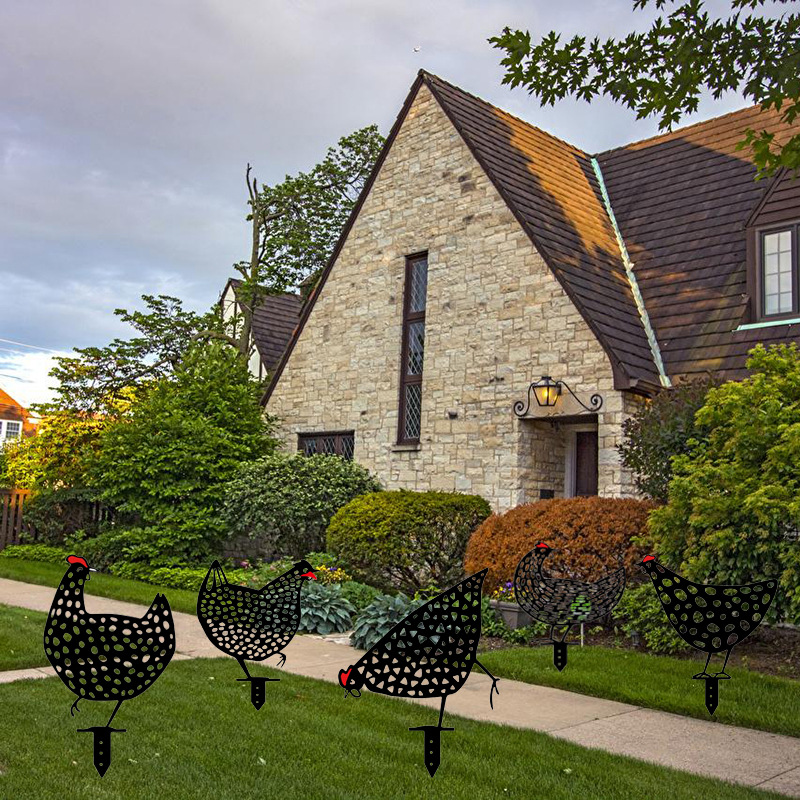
(484, 254)
(274, 322)
(15, 421)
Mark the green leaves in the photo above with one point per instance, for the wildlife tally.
(661, 72)
(733, 508)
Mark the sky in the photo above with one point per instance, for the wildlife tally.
(125, 129)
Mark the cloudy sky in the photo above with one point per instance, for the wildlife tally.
(125, 129)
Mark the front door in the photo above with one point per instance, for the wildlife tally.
(585, 463)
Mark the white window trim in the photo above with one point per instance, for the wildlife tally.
(570, 448)
(4, 430)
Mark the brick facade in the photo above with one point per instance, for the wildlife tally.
(496, 319)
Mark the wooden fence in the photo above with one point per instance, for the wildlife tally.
(12, 523)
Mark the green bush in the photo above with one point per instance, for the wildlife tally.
(324, 610)
(36, 552)
(406, 540)
(493, 624)
(734, 500)
(639, 611)
(379, 617)
(359, 594)
(59, 513)
(286, 502)
(659, 430)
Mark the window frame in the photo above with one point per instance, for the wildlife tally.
(760, 234)
(409, 318)
(338, 436)
(4, 430)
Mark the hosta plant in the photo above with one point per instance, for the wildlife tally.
(379, 617)
(323, 610)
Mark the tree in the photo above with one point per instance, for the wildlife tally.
(734, 500)
(101, 380)
(663, 71)
(658, 431)
(166, 463)
(295, 224)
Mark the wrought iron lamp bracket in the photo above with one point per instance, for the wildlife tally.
(522, 408)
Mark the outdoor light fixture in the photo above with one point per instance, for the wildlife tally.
(547, 393)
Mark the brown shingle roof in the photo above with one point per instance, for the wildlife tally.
(552, 190)
(682, 201)
(274, 323)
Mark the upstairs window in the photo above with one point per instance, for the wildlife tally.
(778, 271)
(10, 429)
(330, 444)
(413, 349)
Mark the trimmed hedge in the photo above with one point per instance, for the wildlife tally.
(406, 540)
(592, 530)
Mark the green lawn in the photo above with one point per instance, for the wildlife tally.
(750, 699)
(21, 633)
(195, 735)
(100, 584)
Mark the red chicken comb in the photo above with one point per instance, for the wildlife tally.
(648, 558)
(542, 544)
(77, 560)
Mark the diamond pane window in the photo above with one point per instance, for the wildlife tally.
(419, 284)
(413, 409)
(329, 444)
(416, 348)
(413, 349)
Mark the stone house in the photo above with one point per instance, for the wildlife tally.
(485, 254)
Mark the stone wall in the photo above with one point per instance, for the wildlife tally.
(496, 319)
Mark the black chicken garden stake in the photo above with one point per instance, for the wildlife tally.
(428, 654)
(710, 618)
(105, 656)
(558, 601)
(252, 624)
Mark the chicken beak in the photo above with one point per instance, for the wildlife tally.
(92, 569)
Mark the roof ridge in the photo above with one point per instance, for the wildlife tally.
(430, 75)
(675, 131)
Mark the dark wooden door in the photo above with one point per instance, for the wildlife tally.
(585, 463)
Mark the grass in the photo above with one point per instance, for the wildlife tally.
(750, 699)
(99, 584)
(193, 734)
(21, 633)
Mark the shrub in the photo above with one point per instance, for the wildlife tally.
(640, 611)
(734, 500)
(592, 531)
(378, 618)
(36, 552)
(324, 610)
(660, 430)
(287, 501)
(406, 540)
(147, 547)
(59, 513)
(359, 594)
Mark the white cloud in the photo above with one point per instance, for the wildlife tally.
(24, 374)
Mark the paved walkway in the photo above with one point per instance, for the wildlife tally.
(740, 755)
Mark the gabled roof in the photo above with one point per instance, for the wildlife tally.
(274, 323)
(682, 201)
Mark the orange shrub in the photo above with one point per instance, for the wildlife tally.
(592, 531)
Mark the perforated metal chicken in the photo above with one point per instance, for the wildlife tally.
(252, 624)
(428, 654)
(105, 656)
(558, 601)
(710, 618)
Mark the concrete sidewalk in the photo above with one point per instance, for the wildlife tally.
(740, 755)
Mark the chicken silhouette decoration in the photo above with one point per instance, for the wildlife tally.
(429, 653)
(252, 624)
(105, 656)
(558, 601)
(711, 618)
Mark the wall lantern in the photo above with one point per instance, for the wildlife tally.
(547, 393)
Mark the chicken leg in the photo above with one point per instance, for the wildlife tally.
(704, 673)
(722, 675)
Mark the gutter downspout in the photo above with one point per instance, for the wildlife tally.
(637, 295)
